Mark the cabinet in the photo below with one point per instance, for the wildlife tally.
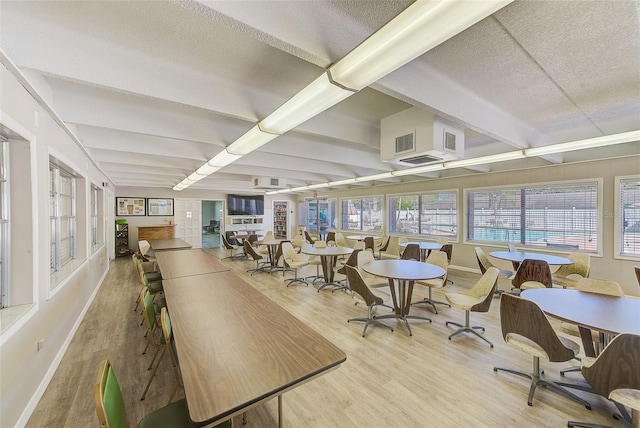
(122, 239)
(280, 219)
(165, 231)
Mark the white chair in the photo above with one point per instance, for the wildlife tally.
(292, 260)
(372, 281)
(393, 249)
(438, 258)
(317, 262)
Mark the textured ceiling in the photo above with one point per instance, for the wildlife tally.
(154, 89)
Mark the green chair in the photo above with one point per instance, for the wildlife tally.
(112, 414)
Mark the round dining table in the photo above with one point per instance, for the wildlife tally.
(589, 311)
(272, 247)
(401, 275)
(328, 257)
(424, 247)
(519, 256)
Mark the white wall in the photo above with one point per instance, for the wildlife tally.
(53, 317)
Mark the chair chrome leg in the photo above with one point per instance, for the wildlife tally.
(429, 300)
(536, 380)
(466, 328)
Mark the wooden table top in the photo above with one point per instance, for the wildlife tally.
(519, 256)
(424, 245)
(607, 314)
(327, 251)
(169, 244)
(176, 264)
(238, 348)
(411, 270)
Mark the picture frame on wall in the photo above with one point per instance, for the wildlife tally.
(130, 206)
(160, 206)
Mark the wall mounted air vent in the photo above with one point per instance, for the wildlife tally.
(268, 183)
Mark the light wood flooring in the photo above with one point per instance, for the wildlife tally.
(389, 378)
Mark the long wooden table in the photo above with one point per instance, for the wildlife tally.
(169, 244)
(176, 264)
(237, 348)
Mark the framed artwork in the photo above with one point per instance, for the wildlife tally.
(130, 206)
(157, 206)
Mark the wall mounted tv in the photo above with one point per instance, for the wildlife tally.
(245, 204)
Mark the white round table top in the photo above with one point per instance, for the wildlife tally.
(269, 241)
(519, 256)
(424, 245)
(326, 251)
(360, 237)
(403, 269)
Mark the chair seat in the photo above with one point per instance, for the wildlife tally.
(295, 265)
(627, 397)
(155, 287)
(174, 415)
(572, 329)
(532, 348)
(463, 301)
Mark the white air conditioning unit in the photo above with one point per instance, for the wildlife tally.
(416, 137)
(268, 183)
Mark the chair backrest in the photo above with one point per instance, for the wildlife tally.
(369, 243)
(525, 318)
(108, 398)
(483, 261)
(439, 258)
(485, 287)
(144, 247)
(268, 235)
(363, 258)
(393, 246)
(252, 238)
(357, 284)
(359, 245)
(533, 270)
(448, 250)
(600, 286)
(351, 261)
(637, 269)
(297, 241)
(411, 252)
(512, 247)
(617, 366)
(331, 236)
(231, 237)
(340, 240)
(581, 266)
(167, 333)
(279, 251)
(288, 251)
(227, 244)
(384, 244)
(250, 251)
(308, 237)
(149, 311)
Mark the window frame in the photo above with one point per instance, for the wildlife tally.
(96, 217)
(420, 195)
(5, 242)
(599, 214)
(619, 220)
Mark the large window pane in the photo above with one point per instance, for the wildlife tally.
(62, 200)
(630, 216)
(430, 215)
(362, 214)
(557, 215)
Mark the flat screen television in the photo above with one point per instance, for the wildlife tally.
(245, 204)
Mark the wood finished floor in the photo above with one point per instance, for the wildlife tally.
(389, 378)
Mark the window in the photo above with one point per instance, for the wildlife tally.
(629, 203)
(4, 221)
(97, 218)
(429, 214)
(62, 212)
(320, 215)
(556, 215)
(364, 214)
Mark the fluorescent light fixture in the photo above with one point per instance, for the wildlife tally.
(196, 177)
(207, 169)
(273, 192)
(606, 140)
(380, 176)
(284, 191)
(299, 189)
(318, 186)
(178, 187)
(223, 158)
(318, 96)
(499, 157)
(341, 182)
(249, 141)
(420, 27)
(418, 170)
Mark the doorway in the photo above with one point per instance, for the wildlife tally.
(212, 215)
